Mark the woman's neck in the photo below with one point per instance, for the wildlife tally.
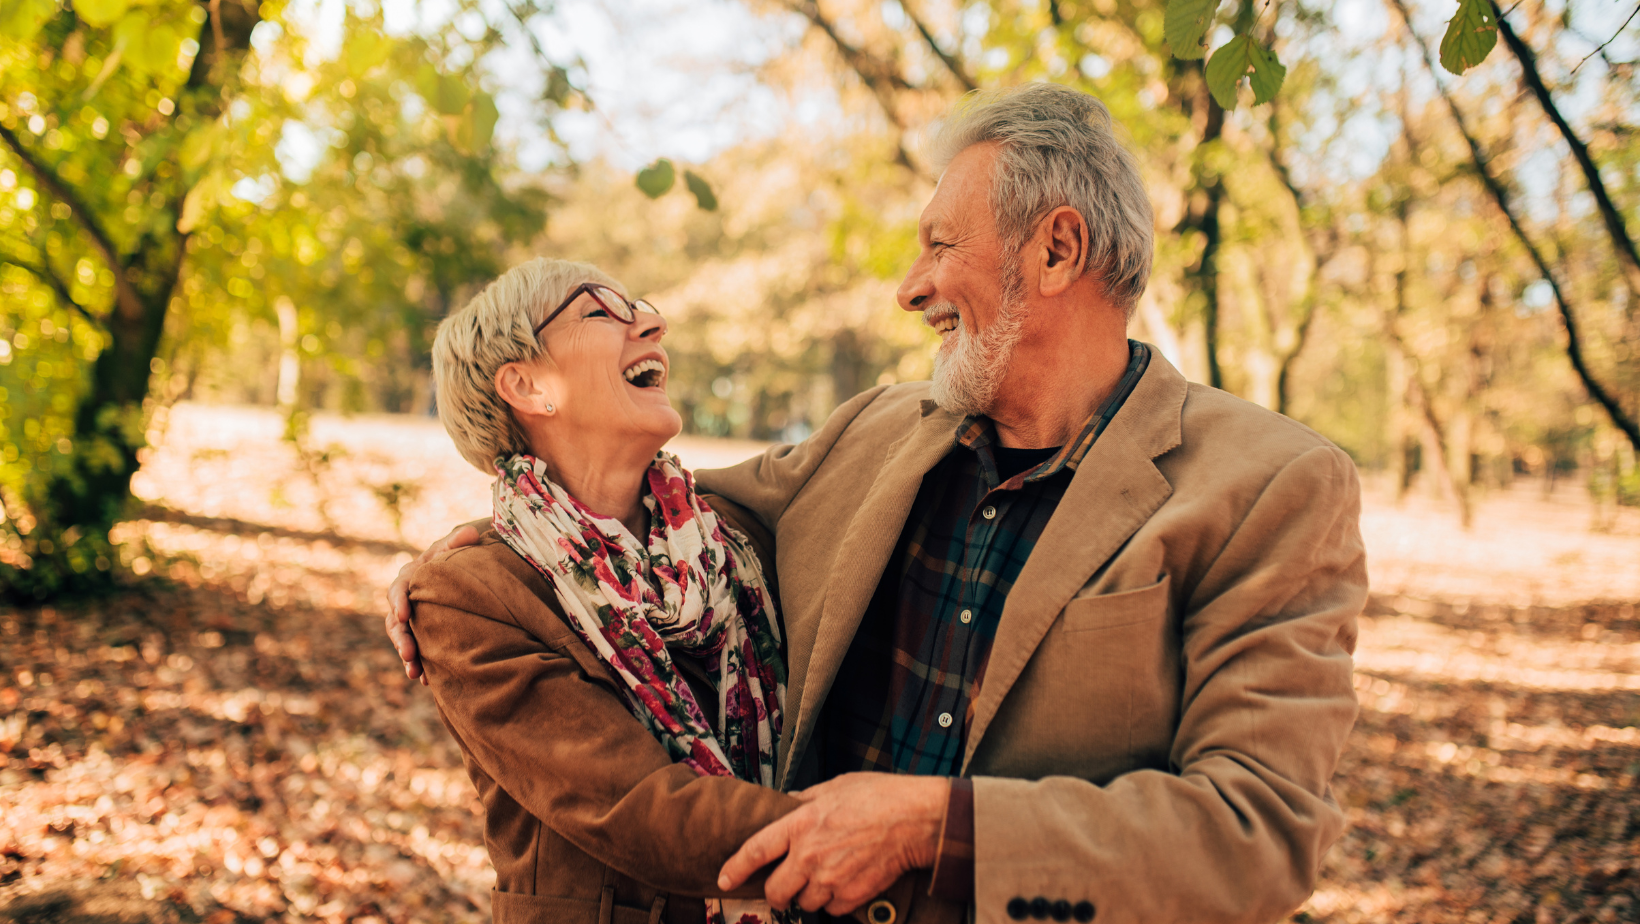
(609, 483)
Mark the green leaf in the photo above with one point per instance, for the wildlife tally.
(452, 95)
(1470, 35)
(704, 197)
(21, 19)
(1268, 75)
(150, 46)
(1187, 23)
(100, 13)
(558, 86)
(1233, 61)
(366, 49)
(656, 178)
(447, 94)
(483, 115)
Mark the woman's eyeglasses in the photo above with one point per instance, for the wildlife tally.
(612, 301)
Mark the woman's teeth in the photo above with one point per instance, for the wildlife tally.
(645, 374)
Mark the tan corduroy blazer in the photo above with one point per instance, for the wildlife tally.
(1170, 685)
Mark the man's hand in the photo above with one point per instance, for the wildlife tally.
(398, 600)
(852, 839)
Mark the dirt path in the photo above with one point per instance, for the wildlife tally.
(235, 742)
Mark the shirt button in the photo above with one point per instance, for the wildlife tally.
(989, 513)
(945, 720)
(966, 616)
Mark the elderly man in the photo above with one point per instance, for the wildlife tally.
(1070, 638)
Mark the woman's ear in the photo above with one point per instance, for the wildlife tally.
(525, 387)
(1064, 245)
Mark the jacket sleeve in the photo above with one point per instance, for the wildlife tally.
(1238, 833)
(765, 484)
(561, 742)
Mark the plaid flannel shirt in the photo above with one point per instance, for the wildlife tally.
(903, 701)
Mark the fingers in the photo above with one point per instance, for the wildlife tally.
(784, 884)
(760, 850)
(397, 622)
(856, 893)
(815, 896)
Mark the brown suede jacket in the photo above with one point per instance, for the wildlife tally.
(586, 817)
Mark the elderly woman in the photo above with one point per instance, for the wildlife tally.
(607, 655)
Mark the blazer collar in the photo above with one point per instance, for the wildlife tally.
(858, 566)
(1115, 490)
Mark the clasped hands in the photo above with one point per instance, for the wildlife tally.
(852, 838)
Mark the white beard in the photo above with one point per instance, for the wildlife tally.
(969, 369)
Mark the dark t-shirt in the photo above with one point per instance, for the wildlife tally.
(1011, 462)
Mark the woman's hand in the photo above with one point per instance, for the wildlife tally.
(398, 599)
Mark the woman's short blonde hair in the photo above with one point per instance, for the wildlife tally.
(490, 331)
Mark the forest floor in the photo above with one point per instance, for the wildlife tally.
(231, 738)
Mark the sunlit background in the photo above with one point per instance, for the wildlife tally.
(228, 231)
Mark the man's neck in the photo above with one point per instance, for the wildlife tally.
(1051, 390)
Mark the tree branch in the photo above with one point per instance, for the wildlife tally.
(1500, 196)
(951, 62)
(879, 77)
(1601, 48)
(56, 284)
(125, 297)
(1616, 228)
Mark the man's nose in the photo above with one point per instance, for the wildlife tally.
(917, 288)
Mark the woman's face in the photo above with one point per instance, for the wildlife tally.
(611, 376)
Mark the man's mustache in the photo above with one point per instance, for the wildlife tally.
(937, 314)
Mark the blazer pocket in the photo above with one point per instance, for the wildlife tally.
(1108, 611)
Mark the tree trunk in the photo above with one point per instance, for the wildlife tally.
(1202, 206)
(68, 549)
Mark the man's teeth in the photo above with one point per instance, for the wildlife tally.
(946, 324)
(650, 366)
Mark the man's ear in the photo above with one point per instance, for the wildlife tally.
(524, 387)
(1064, 237)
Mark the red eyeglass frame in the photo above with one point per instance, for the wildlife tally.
(623, 309)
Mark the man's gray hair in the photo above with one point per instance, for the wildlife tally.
(1059, 146)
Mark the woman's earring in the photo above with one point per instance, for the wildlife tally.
(551, 409)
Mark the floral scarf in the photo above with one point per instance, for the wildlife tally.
(695, 586)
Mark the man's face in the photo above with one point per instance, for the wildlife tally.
(963, 286)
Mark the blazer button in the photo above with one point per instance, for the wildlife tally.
(1018, 908)
(1061, 910)
(1083, 911)
(881, 911)
(1039, 908)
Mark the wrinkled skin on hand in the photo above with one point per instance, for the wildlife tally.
(398, 600)
(853, 837)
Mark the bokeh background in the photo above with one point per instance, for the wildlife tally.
(229, 229)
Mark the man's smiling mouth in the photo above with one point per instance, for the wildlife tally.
(646, 373)
(945, 322)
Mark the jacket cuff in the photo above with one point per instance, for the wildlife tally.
(953, 878)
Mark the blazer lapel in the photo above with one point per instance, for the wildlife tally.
(1115, 490)
(862, 556)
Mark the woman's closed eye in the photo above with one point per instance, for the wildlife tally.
(596, 313)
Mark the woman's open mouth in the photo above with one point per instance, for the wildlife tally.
(647, 373)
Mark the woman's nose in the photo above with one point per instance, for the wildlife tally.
(647, 326)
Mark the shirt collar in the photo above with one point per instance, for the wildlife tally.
(979, 434)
